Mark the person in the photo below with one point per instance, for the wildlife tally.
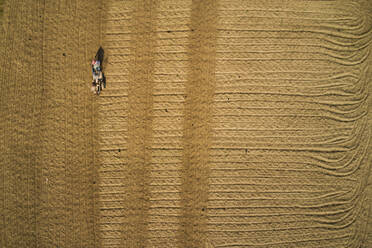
(97, 75)
(96, 65)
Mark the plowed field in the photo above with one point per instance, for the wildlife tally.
(224, 123)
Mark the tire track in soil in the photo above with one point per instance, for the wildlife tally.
(130, 126)
(199, 92)
(171, 70)
(140, 105)
(113, 130)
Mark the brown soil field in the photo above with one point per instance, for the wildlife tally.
(224, 124)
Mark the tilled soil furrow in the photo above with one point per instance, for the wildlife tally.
(272, 160)
(45, 135)
(198, 112)
(140, 123)
(114, 125)
(18, 194)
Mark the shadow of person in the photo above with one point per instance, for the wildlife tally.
(100, 55)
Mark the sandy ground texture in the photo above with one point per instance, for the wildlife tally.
(1, 9)
(224, 123)
(47, 124)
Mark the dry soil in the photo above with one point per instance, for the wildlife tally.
(224, 123)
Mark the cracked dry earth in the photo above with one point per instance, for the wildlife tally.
(224, 123)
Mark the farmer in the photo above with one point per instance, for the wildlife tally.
(96, 65)
(96, 71)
